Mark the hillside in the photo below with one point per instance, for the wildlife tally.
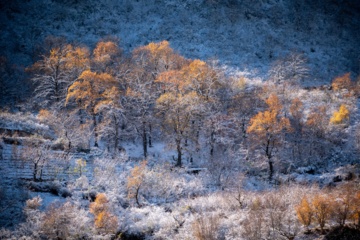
(194, 119)
(243, 34)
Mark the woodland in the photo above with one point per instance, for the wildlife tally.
(99, 141)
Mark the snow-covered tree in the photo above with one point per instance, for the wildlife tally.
(56, 71)
(267, 127)
(91, 89)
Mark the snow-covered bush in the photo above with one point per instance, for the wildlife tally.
(65, 221)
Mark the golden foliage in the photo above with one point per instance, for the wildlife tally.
(342, 82)
(340, 116)
(99, 205)
(159, 57)
(135, 179)
(44, 115)
(240, 83)
(304, 212)
(268, 122)
(323, 207)
(104, 220)
(105, 51)
(61, 59)
(274, 103)
(91, 87)
(79, 57)
(197, 76)
(173, 81)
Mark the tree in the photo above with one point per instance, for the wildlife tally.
(242, 108)
(91, 89)
(340, 116)
(158, 57)
(38, 154)
(112, 122)
(104, 221)
(322, 206)
(56, 71)
(305, 212)
(289, 70)
(135, 181)
(355, 208)
(71, 133)
(188, 94)
(178, 112)
(297, 123)
(148, 62)
(343, 204)
(106, 56)
(201, 78)
(317, 121)
(266, 127)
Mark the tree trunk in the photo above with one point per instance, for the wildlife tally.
(150, 139)
(271, 170)
(137, 196)
(41, 172)
(116, 142)
(95, 130)
(69, 141)
(212, 140)
(35, 171)
(144, 140)
(178, 162)
(268, 153)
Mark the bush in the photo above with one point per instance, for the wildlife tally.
(105, 222)
(305, 212)
(66, 221)
(206, 228)
(323, 207)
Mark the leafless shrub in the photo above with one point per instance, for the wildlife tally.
(253, 225)
(66, 221)
(206, 227)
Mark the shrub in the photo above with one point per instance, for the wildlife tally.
(355, 209)
(304, 212)
(206, 228)
(105, 222)
(323, 207)
(253, 225)
(342, 205)
(66, 221)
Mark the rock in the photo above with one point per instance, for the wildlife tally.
(64, 192)
(91, 196)
(337, 178)
(349, 176)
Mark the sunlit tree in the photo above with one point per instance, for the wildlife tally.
(267, 127)
(56, 71)
(135, 181)
(106, 56)
(91, 89)
(105, 221)
(305, 212)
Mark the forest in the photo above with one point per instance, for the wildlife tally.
(99, 141)
(218, 130)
